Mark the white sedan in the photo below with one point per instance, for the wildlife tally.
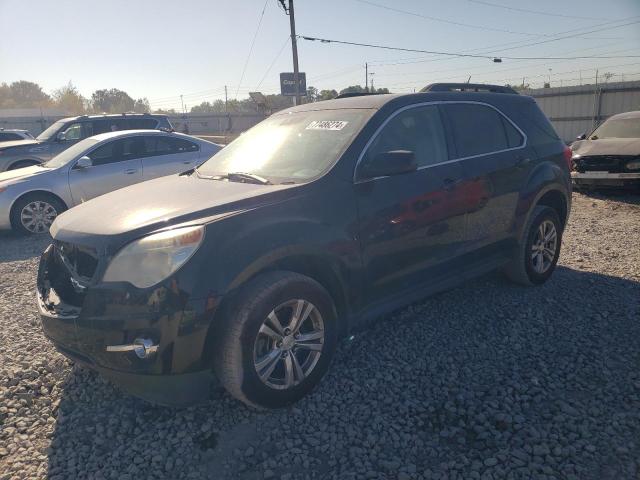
(31, 198)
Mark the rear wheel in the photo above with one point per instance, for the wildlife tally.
(22, 164)
(276, 339)
(34, 213)
(535, 259)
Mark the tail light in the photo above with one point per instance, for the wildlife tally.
(568, 154)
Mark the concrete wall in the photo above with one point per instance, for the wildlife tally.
(579, 109)
(215, 124)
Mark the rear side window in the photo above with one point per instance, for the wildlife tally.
(178, 145)
(418, 130)
(167, 145)
(142, 123)
(478, 129)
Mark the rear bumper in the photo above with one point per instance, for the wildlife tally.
(605, 178)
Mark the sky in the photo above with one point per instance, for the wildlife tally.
(162, 49)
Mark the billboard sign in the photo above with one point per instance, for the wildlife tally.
(288, 84)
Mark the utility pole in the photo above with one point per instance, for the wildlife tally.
(366, 77)
(226, 109)
(182, 102)
(294, 48)
(372, 87)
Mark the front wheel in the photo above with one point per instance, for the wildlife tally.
(276, 339)
(536, 257)
(34, 213)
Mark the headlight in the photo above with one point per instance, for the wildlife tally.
(634, 165)
(151, 259)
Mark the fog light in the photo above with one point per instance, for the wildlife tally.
(142, 347)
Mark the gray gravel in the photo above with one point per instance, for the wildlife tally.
(486, 381)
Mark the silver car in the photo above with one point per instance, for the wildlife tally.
(32, 197)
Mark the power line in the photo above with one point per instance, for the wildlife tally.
(454, 54)
(452, 22)
(273, 62)
(253, 41)
(444, 20)
(536, 12)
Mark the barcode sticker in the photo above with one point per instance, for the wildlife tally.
(327, 125)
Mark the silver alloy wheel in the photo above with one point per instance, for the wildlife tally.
(289, 344)
(544, 247)
(37, 216)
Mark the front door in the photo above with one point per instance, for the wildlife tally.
(410, 225)
(116, 164)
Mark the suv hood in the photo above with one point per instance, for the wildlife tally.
(117, 217)
(607, 146)
(18, 143)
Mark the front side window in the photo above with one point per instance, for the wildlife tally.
(478, 129)
(118, 151)
(104, 154)
(418, 130)
(73, 132)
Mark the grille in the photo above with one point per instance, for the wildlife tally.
(80, 261)
(605, 163)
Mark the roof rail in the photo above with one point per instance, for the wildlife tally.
(468, 87)
(355, 94)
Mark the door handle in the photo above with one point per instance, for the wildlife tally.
(450, 184)
(187, 162)
(131, 171)
(523, 162)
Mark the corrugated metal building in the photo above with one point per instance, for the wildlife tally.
(580, 108)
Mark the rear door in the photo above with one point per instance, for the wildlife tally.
(116, 164)
(167, 155)
(410, 225)
(494, 161)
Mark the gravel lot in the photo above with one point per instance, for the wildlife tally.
(489, 380)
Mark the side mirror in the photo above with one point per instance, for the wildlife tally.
(83, 162)
(395, 162)
(582, 136)
(61, 137)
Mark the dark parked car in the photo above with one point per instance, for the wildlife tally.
(325, 215)
(69, 131)
(610, 155)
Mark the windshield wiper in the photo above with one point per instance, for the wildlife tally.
(246, 178)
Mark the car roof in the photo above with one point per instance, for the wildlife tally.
(130, 133)
(112, 115)
(376, 102)
(619, 116)
(14, 130)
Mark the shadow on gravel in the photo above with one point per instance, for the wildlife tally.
(14, 247)
(486, 379)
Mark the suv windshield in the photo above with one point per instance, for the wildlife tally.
(291, 146)
(51, 131)
(620, 128)
(70, 153)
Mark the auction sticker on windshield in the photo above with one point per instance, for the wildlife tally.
(327, 125)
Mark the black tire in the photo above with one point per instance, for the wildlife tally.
(521, 268)
(238, 331)
(16, 211)
(22, 164)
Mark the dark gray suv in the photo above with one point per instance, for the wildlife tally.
(68, 131)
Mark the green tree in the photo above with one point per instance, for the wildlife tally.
(141, 105)
(23, 94)
(68, 98)
(112, 101)
(327, 94)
